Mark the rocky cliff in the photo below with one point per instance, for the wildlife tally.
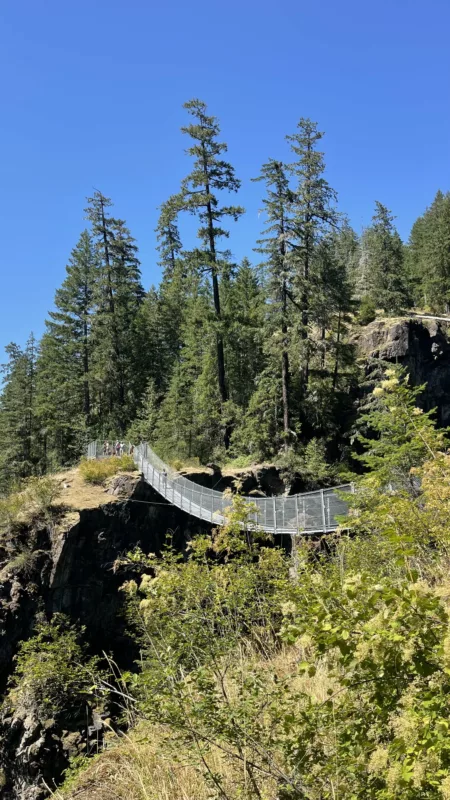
(422, 346)
(70, 568)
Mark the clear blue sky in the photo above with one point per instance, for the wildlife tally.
(91, 96)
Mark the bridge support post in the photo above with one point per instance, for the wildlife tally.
(324, 520)
(274, 515)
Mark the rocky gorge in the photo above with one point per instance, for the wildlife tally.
(75, 566)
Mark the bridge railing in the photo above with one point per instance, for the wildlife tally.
(311, 512)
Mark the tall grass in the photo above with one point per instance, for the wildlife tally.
(98, 471)
(35, 501)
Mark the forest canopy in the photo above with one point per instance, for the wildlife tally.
(223, 360)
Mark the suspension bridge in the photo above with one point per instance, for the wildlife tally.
(307, 513)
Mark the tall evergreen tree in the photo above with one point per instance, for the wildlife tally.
(280, 276)
(174, 286)
(314, 215)
(20, 439)
(64, 367)
(118, 296)
(428, 256)
(348, 249)
(200, 195)
(385, 261)
(151, 356)
(332, 300)
(168, 235)
(190, 421)
(244, 310)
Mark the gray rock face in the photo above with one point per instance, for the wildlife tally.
(41, 751)
(263, 481)
(423, 348)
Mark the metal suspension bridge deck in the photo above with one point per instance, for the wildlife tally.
(307, 513)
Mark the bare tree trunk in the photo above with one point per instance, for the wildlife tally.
(338, 348)
(285, 373)
(305, 312)
(86, 392)
(219, 338)
(324, 348)
(112, 309)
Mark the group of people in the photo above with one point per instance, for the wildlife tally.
(116, 449)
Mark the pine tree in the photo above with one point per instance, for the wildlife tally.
(348, 247)
(314, 215)
(260, 434)
(64, 368)
(280, 276)
(144, 425)
(159, 322)
(200, 195)
(332, 300)
(428, 256)
(174, 286)
(168, 235)
(118, 297)
(415, 261)
(191, 421)
(244, 308)
(385, 261)
(150, 355)
(20, 439)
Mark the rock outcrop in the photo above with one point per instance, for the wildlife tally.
(422, 346)
(264, 480)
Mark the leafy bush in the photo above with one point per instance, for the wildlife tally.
(127, 463)
(52, 670)
(43, 493)
(23, 562)
(367, 311)
(240, 462)
(11, 508)
(33, 502)
(310, 463)
(97, 472)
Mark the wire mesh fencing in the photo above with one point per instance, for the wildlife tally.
(310, 512)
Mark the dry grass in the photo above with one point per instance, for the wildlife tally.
(76, 494)
(148, 765)
(135, 768)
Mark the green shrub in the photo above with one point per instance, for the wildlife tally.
(97, 472)
(127, 464)
(11, 508)
(43, 493)
(185, 463)
(367, 311)
(23, 562)
(239, 462)
(34, 501)
(52, 670)
(310, 463)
